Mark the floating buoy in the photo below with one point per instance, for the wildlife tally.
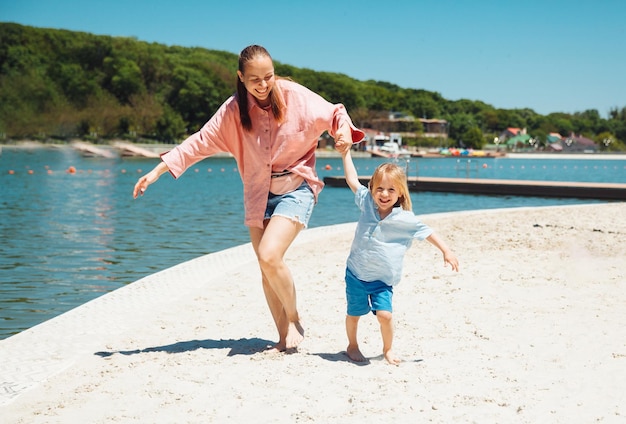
(11, 172)
(328, 167)
(484, 165)
(71, 170)
(30, 171)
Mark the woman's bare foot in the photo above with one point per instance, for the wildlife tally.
(295, 335)
(355, 354)
(391, 358)
(277, 348)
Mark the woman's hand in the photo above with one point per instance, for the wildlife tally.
(143, 184)
(343, 143)
(149, 178)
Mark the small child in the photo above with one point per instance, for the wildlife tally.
(386, 229)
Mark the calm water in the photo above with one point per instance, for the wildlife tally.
(68, 238)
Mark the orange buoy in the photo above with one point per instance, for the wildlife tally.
(328, 167)
(71, 170)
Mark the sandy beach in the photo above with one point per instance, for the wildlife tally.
(531, 330)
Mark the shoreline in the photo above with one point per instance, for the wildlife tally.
(527, 331)
(159, 148)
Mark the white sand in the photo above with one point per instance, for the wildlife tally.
(531, 330)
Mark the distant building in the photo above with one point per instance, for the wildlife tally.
(434, 128)
(408, 126)
(510, 133)
(579, 144)
(553, 142)
(518, 141)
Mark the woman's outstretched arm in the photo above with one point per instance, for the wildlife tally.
(149, 178)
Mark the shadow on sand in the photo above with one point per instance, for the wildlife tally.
(237, 347)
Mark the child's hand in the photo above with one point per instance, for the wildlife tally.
(449, 258)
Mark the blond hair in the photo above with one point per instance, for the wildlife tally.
(398, 176)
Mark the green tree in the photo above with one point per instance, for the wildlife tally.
(124, 78)
(562, 123)
(378, 98)
(194, 96)
(170, 126)
(76, 83)
(420, 104)
(473, 138)
(460, 124)
(58, 83)
(609, 142)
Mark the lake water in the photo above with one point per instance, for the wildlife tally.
(68, 238)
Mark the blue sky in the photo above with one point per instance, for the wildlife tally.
(550, 55)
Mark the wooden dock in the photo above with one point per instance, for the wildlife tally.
(582, 190)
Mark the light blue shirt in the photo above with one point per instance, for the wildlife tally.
(379, 245)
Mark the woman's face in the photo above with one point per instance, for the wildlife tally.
(258, 78)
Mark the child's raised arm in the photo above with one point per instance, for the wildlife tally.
(352, 178)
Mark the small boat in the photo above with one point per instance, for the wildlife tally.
(390, 149)
(129, 149)
(89, 150)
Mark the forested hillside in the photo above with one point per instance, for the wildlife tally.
(58, 85)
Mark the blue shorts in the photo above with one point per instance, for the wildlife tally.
(366, 296)
(296, 205)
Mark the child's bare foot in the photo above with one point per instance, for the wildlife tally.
(391, 358)
(295, 335)
(355, 354)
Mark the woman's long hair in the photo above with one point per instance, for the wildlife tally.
(276, 99)
(397, 175)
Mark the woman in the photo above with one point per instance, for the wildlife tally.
(271, 127)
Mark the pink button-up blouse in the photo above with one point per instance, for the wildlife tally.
(269, 147)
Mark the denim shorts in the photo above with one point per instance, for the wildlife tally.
(296, 205)
(363, 296)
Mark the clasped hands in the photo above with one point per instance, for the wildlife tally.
(342, 143)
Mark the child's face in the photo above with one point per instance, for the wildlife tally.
(385, 194)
